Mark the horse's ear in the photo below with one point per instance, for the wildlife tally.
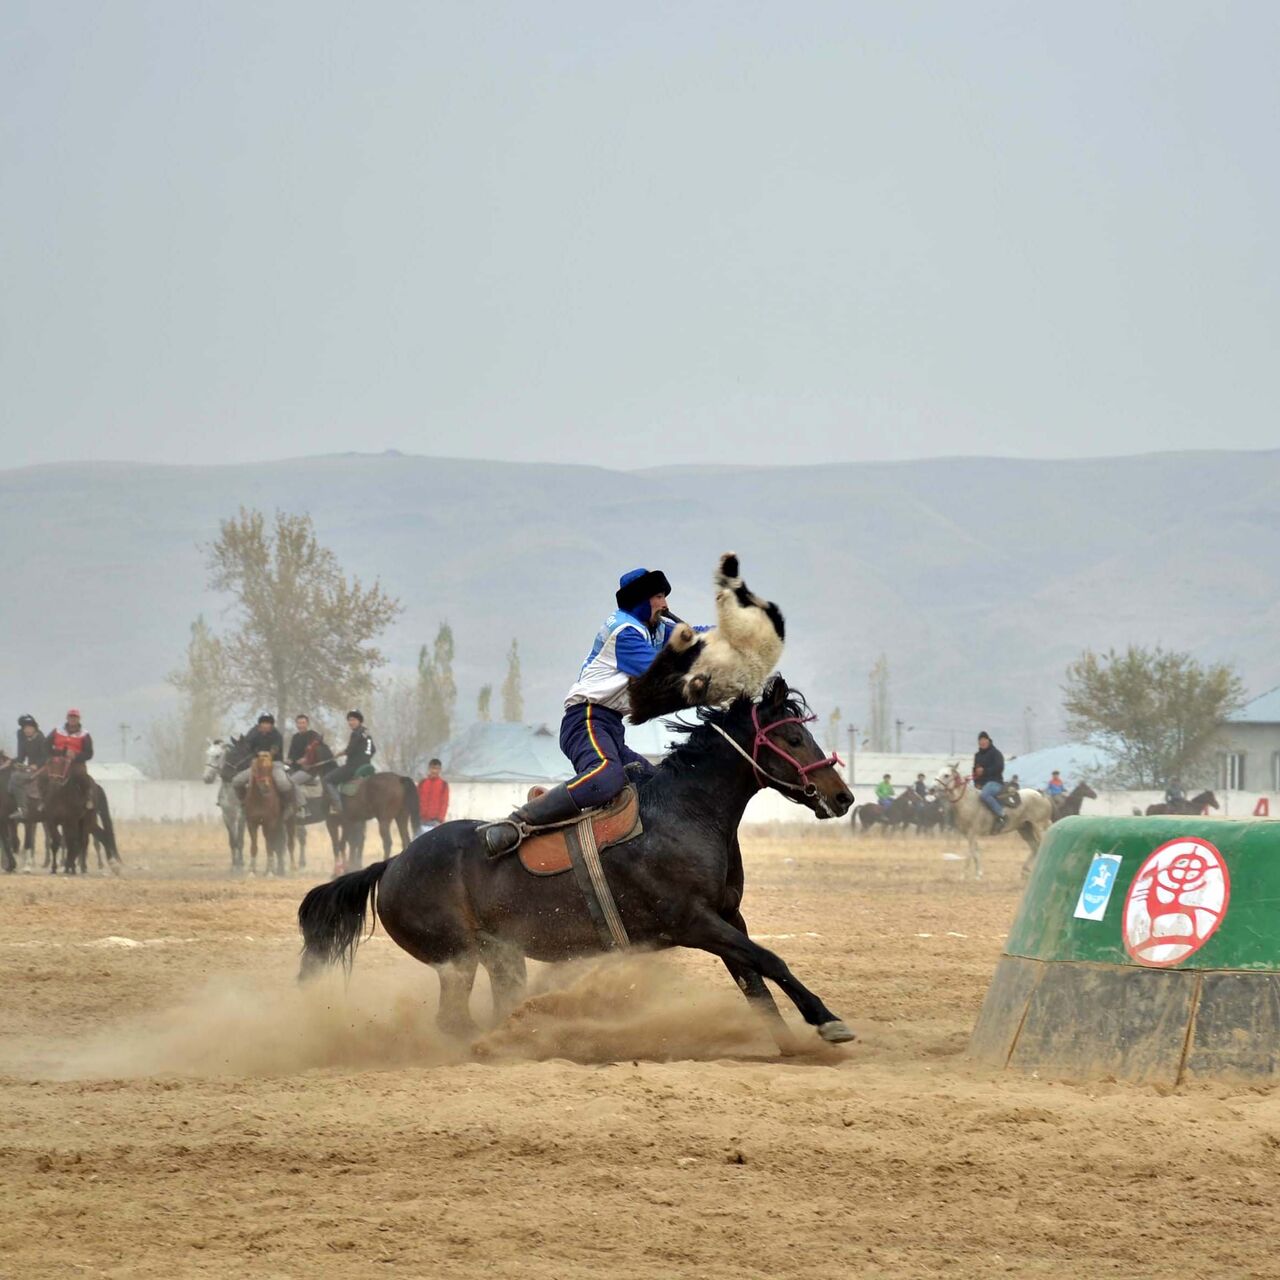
(775, 692)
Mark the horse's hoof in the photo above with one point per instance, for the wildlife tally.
(836, 1032)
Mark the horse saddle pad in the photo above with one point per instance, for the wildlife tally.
(548, 854)
(350, 788)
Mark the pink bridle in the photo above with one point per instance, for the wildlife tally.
(762, 739)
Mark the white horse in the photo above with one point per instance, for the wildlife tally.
(1030, 819)
(217, 769)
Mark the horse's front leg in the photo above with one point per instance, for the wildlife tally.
(253, 847)
(711, 933)
(384, 830)
(759, 997)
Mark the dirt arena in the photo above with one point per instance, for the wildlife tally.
(172, 1105)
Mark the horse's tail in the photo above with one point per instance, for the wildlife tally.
(104, 821)
(332, 918)
(411, 805)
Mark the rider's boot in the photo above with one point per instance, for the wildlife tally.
(549, 809)
(1000, 823)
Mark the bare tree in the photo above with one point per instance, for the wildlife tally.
(177, 743)
(304, 634)
(438, 693)
(399, 727)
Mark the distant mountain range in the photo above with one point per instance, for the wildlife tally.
(980, 578)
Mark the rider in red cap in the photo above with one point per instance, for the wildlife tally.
(72, 740)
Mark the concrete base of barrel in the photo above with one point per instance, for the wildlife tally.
(1082, 1021)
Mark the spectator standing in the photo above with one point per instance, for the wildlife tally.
(433, 797)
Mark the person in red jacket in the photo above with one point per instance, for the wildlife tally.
(433, 797)
(72, 740)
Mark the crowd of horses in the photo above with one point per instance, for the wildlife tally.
(384, 798)
(68, 804)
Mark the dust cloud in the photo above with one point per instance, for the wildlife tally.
(635, 1006)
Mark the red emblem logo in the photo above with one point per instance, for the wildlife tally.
(1176, 902)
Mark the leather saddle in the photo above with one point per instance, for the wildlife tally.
(1008, 796)
(548, 854)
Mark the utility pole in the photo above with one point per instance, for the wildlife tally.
(897, 736)
(124, 742)
(853, 750)
(1028, 730)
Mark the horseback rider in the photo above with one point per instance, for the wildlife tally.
(359, 752)
(74, 744)
(264, 736)
(32, 753)
(302, 742)
(885, 791)
(592, 734)
(921, 787)
(1173, 793)
(72, 740)
(988, 774)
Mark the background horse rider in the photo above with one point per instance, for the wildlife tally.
(32, 754)
(264, 736)
(358, 752)
(302, 741)
(72, 740)
(592, 734)
(988, 775)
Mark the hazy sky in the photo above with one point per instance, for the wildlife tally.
(632, 234)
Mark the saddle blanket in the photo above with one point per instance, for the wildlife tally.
(548, 855)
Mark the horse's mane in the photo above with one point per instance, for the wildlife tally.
(695, 742)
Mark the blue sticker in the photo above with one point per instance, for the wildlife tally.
(1095, 893)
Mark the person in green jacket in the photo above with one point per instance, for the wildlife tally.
(885, 792)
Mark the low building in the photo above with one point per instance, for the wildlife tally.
(1250, 758)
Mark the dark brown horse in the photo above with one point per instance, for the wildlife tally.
(1197, 804)
(385, 798)
(678, 884)
(66, 794)
(1068, 806)
(264, 811)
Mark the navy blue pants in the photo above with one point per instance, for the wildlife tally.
(593, 739)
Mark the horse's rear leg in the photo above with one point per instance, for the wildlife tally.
(456, 980)
(722, 939)
(384, 830)
(507, 976)
(975, 858)
(759, 997)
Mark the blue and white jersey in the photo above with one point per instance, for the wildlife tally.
(623, 647)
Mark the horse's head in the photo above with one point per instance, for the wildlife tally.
(788, 757)
(262, 764)
(214, 756)
(1087, 791)
(1206, 800)
(950, 781)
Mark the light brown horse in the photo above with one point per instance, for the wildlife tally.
(384, 797)
(264, 811)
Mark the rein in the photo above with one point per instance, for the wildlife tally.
(763, 777)
(955, 796)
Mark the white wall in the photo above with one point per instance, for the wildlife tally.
(149, 800)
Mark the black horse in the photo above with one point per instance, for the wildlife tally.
(678, 885)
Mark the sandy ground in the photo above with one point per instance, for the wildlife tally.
(172, 1105)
